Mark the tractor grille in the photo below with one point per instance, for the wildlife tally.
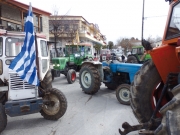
(16, 83)
(62, 62)
(58, 61)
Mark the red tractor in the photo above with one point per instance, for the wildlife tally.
(155, 92)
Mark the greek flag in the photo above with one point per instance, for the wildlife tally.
(25, 62)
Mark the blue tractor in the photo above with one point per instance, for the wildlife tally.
(115, 75)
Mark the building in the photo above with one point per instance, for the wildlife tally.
(13, 16)
(68, 27)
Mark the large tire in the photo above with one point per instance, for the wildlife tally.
(71, 76)
(145, 82)
(132, 59)
(3, 118)
(89, 79)
(111, 86)
(2, 97)
(170, 124)
(52, 73)
(47, 81)
(55, 73)
(56, 110)
(123, 94)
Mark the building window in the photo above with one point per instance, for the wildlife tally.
(19, 27)
(11, 26)
(1, 46)
(41, 25)
(37, 22)
(66, 27)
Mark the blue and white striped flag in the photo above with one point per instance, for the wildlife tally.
(25, 62)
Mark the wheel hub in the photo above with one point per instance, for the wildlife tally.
(86, 79)
(124, 94)
(51, 109)
(73, 76)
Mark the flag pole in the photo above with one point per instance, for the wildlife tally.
(37, 59)
(35, 40)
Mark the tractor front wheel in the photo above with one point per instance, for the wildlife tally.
(71, 76)
(123, 94)
(89, 79)
(47, 81)
(56, 106)
(3, 118)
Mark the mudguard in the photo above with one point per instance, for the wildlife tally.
(98, 65)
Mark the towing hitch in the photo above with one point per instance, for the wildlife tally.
(147, 125)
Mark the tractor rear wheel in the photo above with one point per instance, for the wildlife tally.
(89, 79)
(170, 124)
(71, 76)
(3, 118)
(57, 106)
(122, 94)
(47, 81)
(132, 59)
(146, 82)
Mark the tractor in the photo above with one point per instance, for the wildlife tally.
(115, 75)
(158, 81)
(17, 97)
(138, 55)
(70, 64)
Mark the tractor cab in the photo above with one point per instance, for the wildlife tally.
(173, 26)
(10, 46)
(80, 50)
(138, 55)
(137, 50)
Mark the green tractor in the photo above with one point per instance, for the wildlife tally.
(72, 61)
(138, 55)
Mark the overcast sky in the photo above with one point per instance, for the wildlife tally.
(116, 18)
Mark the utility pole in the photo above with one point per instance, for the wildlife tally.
(142, 21)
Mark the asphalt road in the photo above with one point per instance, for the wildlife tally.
(100, 114)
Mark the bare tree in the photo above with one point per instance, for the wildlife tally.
(118, 42)
(71, 31)
(110, 45)
(62, 29)
(153, 41)
(97, 48)
(126, 44)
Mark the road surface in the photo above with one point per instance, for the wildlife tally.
(100, 114)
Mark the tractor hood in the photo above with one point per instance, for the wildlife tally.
(59, 63)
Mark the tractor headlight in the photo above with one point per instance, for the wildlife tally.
(77, 55)
(58, 65)
(53, 65)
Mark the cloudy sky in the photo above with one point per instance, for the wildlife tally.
(116, 18)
